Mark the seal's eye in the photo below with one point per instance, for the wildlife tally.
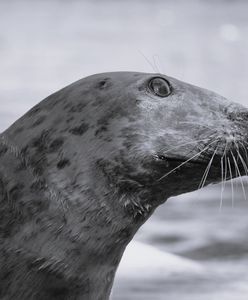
(160, 87)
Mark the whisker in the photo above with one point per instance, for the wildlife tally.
(226, 168)
(155, 59)
(241, 159)
(231, 177)
(236, 176)
(205, 175)
(246, 154)
(148, 61)
(195, 123)
(243, 163)
(241, 180)
(187, 160)
(223, 175)
(184, 144)
(222, 182)
(244, 142)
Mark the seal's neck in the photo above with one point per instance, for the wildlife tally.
(80, 240)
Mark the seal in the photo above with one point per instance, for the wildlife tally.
(86, 167)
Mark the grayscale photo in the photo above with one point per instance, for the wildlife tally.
(123, 150)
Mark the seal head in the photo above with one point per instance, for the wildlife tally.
(86, 167)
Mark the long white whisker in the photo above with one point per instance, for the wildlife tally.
(184, 144)
(246, 155)
(195, 123)
(231, 177)
(222, 182)
(241, 180)
(148, 61)
(205, 175)
(154, 58)
(243, 163)
(242, 160)
(223, 175)
(246, 160)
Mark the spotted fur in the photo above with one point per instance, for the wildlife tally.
(85, 168)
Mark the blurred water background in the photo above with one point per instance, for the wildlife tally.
(199, 250)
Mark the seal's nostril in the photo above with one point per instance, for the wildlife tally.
(243, 115)
(238, 116)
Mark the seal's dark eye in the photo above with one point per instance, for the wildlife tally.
(160, 87)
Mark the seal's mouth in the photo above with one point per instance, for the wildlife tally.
(186, 160)
(232, 162)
